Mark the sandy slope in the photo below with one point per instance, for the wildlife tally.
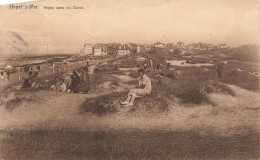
(230, 115)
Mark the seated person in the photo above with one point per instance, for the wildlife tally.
(144, 88)
(57, 84)
(75, 81)
(35, 81)
(53, 88)
(63, 86)
(28, 81)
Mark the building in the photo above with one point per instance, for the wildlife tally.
(138, 49)
(158, 45)
(100, 50)
(170, 45)
(123, 50)
(223, 46)
(180, 44)
(88, 49)
(97, 50)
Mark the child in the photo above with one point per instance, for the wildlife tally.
(57, 83)
(63, 86)
(53, 88)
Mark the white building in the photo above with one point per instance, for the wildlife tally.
(138, 49)
(88, 49)
(97, 51)
(158, 45)
(122, 52)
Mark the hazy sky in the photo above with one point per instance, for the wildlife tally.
(234, 22)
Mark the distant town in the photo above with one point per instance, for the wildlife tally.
(100, 49)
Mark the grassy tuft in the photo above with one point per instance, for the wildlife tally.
(13, 103)
(103, 105)
(136, 144)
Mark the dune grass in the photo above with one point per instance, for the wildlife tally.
(241, 78)
(192, 87)
(195, 84)
(103, 105)
(154, 144)
(13, 103)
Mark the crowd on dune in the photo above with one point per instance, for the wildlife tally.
(80, 78)
(59, 83)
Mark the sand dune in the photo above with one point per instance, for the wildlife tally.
(230, 115)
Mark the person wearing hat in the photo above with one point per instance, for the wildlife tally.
(144, 88)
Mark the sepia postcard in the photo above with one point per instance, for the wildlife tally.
(129, 79)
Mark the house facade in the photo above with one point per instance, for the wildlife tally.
(123, 50)
(138, 49)
(88, 49)
(96, 49)
(158, 45)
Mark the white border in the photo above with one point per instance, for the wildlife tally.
(5, 2)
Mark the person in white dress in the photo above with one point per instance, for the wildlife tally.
(144, 88)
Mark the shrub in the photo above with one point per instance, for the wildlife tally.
(103, 105)
(190, 92)
(13, 103)
(195, 84)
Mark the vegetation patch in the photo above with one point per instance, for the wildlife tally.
(248, 53)
(103, 105)
(151, 103)
(13, 103)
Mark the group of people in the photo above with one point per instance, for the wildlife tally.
(58, 85)
(5, 75)
(32, 81)
(72, 84)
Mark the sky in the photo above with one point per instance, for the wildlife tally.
(235, 22)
